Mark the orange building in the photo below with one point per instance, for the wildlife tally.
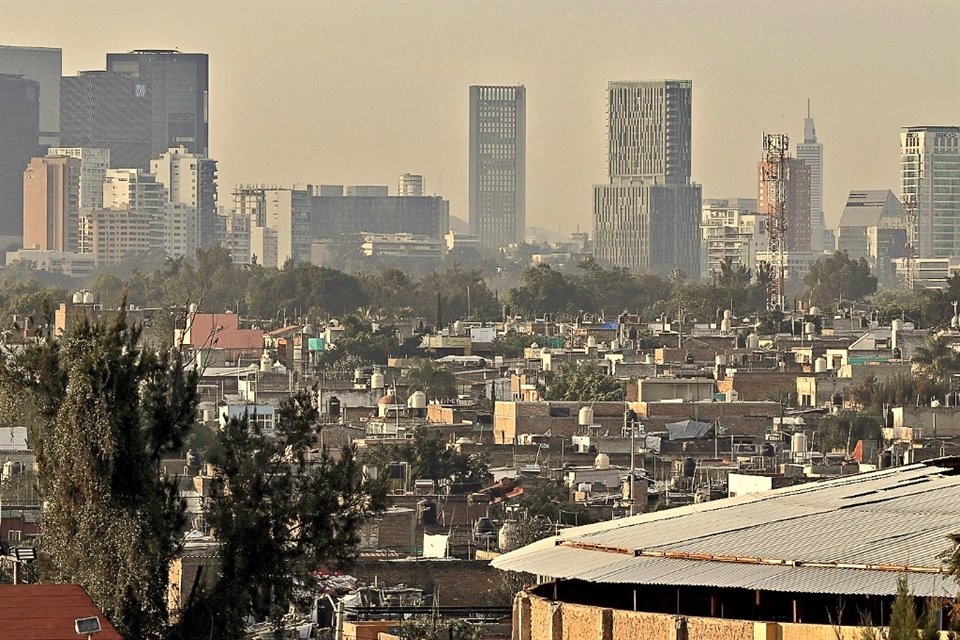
(51, 204)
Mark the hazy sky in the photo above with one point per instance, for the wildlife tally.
(358, 92)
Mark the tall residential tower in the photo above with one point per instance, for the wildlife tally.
(930, 185)
(648, 216)
(498, 164)
(811, 152)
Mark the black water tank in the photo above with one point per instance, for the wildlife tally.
(333, 407)
(689, 467)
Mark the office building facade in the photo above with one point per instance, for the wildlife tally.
(873, 227)
(796, 203)
(410, 184)
(811, 153)
(730, 233)
(51, 204)
(43, 65)
(498, 164)
(94, 164)
(930, 183)
(178, 83)
(648, 217)
(19, 142)
(335, 216)
(107, 110)
(279, 224)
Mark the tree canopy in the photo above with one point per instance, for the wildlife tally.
(836, 277)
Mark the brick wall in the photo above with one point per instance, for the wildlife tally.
(456, 582)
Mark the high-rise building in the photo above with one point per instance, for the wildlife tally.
(730, 233)
(929, 179)
(191, 180)
(44, 65)
(94, 164)
(367, 190)
(107, 110)
(111, 235)
(333, 216)
(178, 83)
(873, 227)
(410, 184)
(19, 135)
(648, 216)
(279, 227)
(811, 152)
(796, 206)
(51, 204)
(498, 160)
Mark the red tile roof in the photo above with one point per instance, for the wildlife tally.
(47, 612)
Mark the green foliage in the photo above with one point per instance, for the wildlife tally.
(511, 345)
(361, 345)
(431, 377)
(434, 629)
(455, 286)
(938, 359)
(586, 382)
(279, 516)
(836, 277)
(843, 429)
(301, 289)
(546, 504)
(903, 615)
(101, 414)
(430, 458)
(901, 389)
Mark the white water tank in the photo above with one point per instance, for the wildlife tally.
(357, 375)
(753, 341)
(727, 314)
(417, 400)
(266, 363)
(585, 416)
(897, 326)
(815, 311)
(192, 308)
(649, 359)
(725, 325)
(809, 328)
(508, 537)
(721, 360)
(798, 443)
(376, 380)
(615, 345)
(591, 342)
(88, 297)
(601, 462)
(457, 327)
(77, 297)
(820, 365)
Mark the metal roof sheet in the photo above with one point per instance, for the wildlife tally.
(847, 535)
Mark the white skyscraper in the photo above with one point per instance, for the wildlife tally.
(811, 152)
(94, 164)
(929, 179)
(190, 180)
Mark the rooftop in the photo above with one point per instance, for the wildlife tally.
(850, 535)
(48, 612)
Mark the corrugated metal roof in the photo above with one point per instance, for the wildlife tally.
(849, 535)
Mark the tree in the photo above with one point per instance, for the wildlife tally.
(546, 290)
(844, 429)
(938, 359)
(462, 293)
(836, 277)
(101, 413)
(279, 516)
(431, 377)
(361, 344)
(903, 615)
(586, 382)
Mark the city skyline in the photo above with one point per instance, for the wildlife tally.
(354, 105)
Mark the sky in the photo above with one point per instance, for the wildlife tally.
(359, 92)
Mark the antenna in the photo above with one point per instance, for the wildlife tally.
(774, 175)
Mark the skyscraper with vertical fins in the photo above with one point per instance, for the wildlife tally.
(811, 152)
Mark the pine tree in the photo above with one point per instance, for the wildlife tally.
(903, 615)
(101, 412)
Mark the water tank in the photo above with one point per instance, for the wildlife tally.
(601, 462)
(333, 407)
(689, 467)
(357, 375)
(417, 400)
(767, 450)
(809, 328)
(721, 360)
(815, 311)
(428, 512)
(464, 440)
(591, 342)
(725, 325)
(820, 365)
(192, 308)
(727, 314)
(266, 363)
(376, 380)
(798, 443)
(649, 359)
(584, 487)
(508, 537)
(615, 345)
(77, 297)
(484, 527)
(897, 325)
(87, 297)
(457, 327)
(585, 416)
(753, 341)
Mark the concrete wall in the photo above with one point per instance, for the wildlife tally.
(455, 582)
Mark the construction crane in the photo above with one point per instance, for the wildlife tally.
(774, 175)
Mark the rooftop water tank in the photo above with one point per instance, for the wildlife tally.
(820, 365)
(601, 462)
(77, 297)
(809, 328)
(798, 443)
(753, 341)
(815, 311)
(585, 416)
(591, 342)
(721, 360)
(265, 362)
(88, 297)
(417, 400)
(727, 314)
(725, 325)
(649, 359)
(376, 380)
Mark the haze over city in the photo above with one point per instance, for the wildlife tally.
(359, 92)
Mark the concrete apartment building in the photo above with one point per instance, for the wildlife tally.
(279, 223)
(107, 110)
(410, 184)
(647, 218)
(498, 164)
(19, 136)
(929, 175)
(810, 151)
(796, 206)
(190, 180)
(51, 204)
(111, 235)
(94, 164)
(178, 83)
(44, 66)
(736, 234)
